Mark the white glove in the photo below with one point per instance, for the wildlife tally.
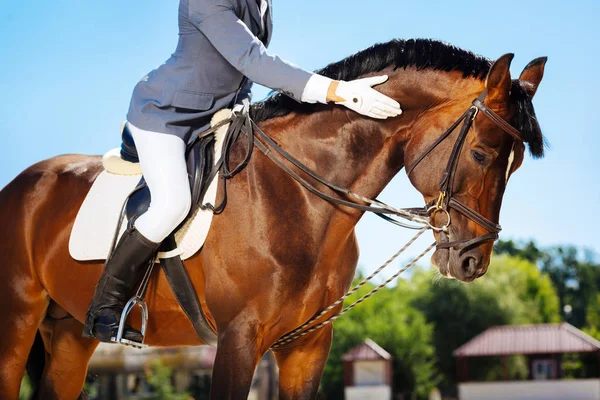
(359, 96)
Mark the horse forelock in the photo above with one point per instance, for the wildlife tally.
(418, 53)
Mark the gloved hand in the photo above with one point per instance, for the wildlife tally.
(359, 96)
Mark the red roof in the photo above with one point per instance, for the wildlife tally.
(369, 350)
(528, 339)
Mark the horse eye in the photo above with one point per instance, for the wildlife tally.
(479, 158)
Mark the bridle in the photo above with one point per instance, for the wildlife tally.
(446, 199)
(242, 123)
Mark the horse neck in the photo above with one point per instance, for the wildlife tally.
(361, 153)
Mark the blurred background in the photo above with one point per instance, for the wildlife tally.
(67, 71)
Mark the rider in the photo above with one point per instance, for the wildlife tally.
(221, 51)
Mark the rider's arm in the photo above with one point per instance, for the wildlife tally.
(217, 20)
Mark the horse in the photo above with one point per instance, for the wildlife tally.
(277, 255)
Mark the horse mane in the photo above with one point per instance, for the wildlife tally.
(421, 54)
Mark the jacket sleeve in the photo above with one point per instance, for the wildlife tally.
(217, 20)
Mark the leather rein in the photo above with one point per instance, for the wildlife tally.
(423, 216)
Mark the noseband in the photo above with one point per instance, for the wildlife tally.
(446, 199)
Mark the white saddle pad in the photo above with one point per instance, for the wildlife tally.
(96, 222)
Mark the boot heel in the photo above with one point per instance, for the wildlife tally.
(139, 301)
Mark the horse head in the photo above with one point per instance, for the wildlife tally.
(458, 153)
(462, 182)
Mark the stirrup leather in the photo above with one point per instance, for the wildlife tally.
(135, 300)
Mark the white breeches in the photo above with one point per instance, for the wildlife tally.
(162, 158)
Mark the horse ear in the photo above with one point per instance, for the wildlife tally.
(532, 75)
(498, 80)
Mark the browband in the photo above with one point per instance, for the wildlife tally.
(498, 120)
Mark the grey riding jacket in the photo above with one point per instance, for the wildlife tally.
(218, 47)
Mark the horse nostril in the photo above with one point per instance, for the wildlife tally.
(469, 266)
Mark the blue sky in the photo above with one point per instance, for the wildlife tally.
(68, 67)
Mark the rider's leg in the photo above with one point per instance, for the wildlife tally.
(162, 158)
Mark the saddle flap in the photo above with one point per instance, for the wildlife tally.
(96, 221)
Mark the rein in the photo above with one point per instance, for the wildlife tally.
(242, 123)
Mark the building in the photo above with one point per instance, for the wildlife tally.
(367, 372)
(543, 346)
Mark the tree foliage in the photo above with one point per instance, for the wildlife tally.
(575, 275)
(159, 379)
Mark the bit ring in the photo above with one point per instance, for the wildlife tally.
(432, 211)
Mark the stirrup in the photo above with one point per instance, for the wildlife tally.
(135, 300)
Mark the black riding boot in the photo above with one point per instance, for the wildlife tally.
(122, 274)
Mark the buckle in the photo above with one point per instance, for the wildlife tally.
(440, 201)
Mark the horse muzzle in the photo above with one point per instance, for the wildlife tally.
(463, 264)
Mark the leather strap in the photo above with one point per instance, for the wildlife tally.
(187, 297)
(498, 120)
(464, 245)
(307, 185)
(435, 144)
(474, 216)
(447, 182)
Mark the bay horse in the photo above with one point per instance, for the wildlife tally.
(277, 255)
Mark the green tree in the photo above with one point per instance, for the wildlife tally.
(26, 389)
(593, 317)
(528, 251)
(159, 379)
(577, 281)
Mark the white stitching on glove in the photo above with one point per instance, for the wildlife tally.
(359, 96)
